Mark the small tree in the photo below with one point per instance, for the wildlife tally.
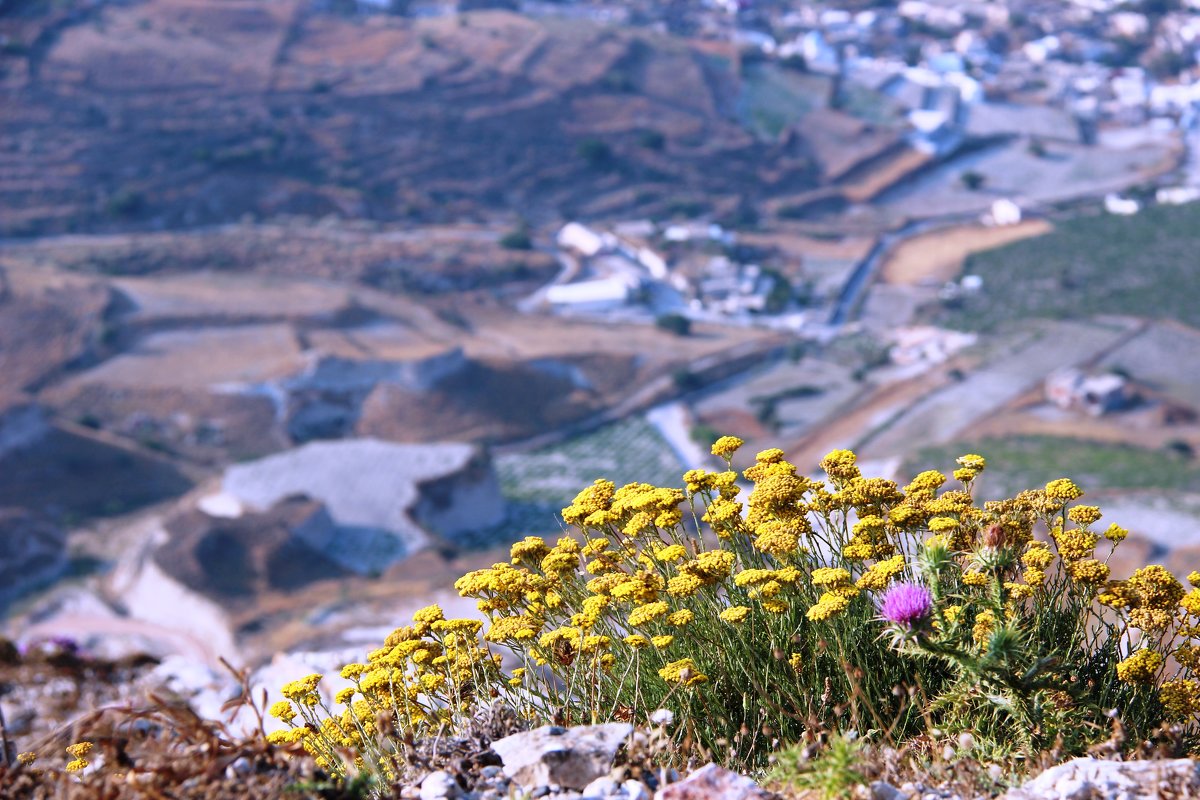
(517, 239)
(677, 324)
(596, 153)
(972, 180)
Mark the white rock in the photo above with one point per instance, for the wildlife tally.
(571, 757)
(1110, 780)
(712, 782)
(636, 790)
(439, 785)
(601, 787)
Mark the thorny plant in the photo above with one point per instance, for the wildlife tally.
(865, 605)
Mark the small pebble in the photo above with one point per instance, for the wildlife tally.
(490, 772)
(540, 791)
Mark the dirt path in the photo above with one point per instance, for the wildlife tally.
(874, 409)
(938, 256)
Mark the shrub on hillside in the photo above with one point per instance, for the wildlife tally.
(910, 614)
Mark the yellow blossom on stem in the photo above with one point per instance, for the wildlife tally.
(1141, 667)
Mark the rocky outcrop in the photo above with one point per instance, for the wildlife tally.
(1093, 779)
(22, 423)
(568, 757)
(32, 552)
(375, 495)
(279, 549)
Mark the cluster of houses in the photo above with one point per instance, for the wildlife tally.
(621, 267)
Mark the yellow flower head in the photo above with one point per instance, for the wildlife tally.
(971, 461)
(1084, 515)
(726, 446)
(841, 465)
(735, 614)
(79, 749)
(681, 617)
(282, 709)
(1141, 667)
(1115, 533)
(828, 605)
(1064, 490)
(646, 614)
(683, 671)
(829, 577)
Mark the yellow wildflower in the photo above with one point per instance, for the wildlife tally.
(775, 606)
(643, 615)
(1063, 489)
(1084, 515)
(726, 446)
(830, 577)
(283, 710)
(662, 641)
(1180, 699)
(683, 671)
(1141, 667)
(681, 617)
(972, 578)
(828, 605)
(636, 641)
(1115, 533)
(735, 614)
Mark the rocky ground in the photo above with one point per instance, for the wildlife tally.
(149, 743)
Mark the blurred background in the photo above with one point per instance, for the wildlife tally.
(309, 306)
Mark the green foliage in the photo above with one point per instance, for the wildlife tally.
(517, 239)
(1033, 460)
(833, 773)
(596, 153)
(652, 140)
(1141, 265)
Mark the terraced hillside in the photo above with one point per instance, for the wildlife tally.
(168, 113)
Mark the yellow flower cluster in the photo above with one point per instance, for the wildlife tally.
(1180, 698)
(78, 751)
(421, 678)
(1141, 667)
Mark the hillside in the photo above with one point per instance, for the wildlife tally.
(168, 113)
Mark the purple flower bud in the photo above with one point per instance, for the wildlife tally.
(906, 604)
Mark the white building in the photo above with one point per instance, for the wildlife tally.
(580, 238)
(1121, 206)
(602, 294)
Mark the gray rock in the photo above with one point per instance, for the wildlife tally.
(490, 772)
(239, 768)
(573, 758)
(440, 785)
(882, 790)
(1095, 779)
(712, 782)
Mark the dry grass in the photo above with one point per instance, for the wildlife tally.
(938, 256)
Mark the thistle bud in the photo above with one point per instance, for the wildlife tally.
(993, 536)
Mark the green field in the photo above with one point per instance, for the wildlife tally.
(1032, 461)
(539, 484)
(1144, 265)
(774, 97)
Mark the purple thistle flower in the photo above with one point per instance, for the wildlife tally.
(906, 604)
